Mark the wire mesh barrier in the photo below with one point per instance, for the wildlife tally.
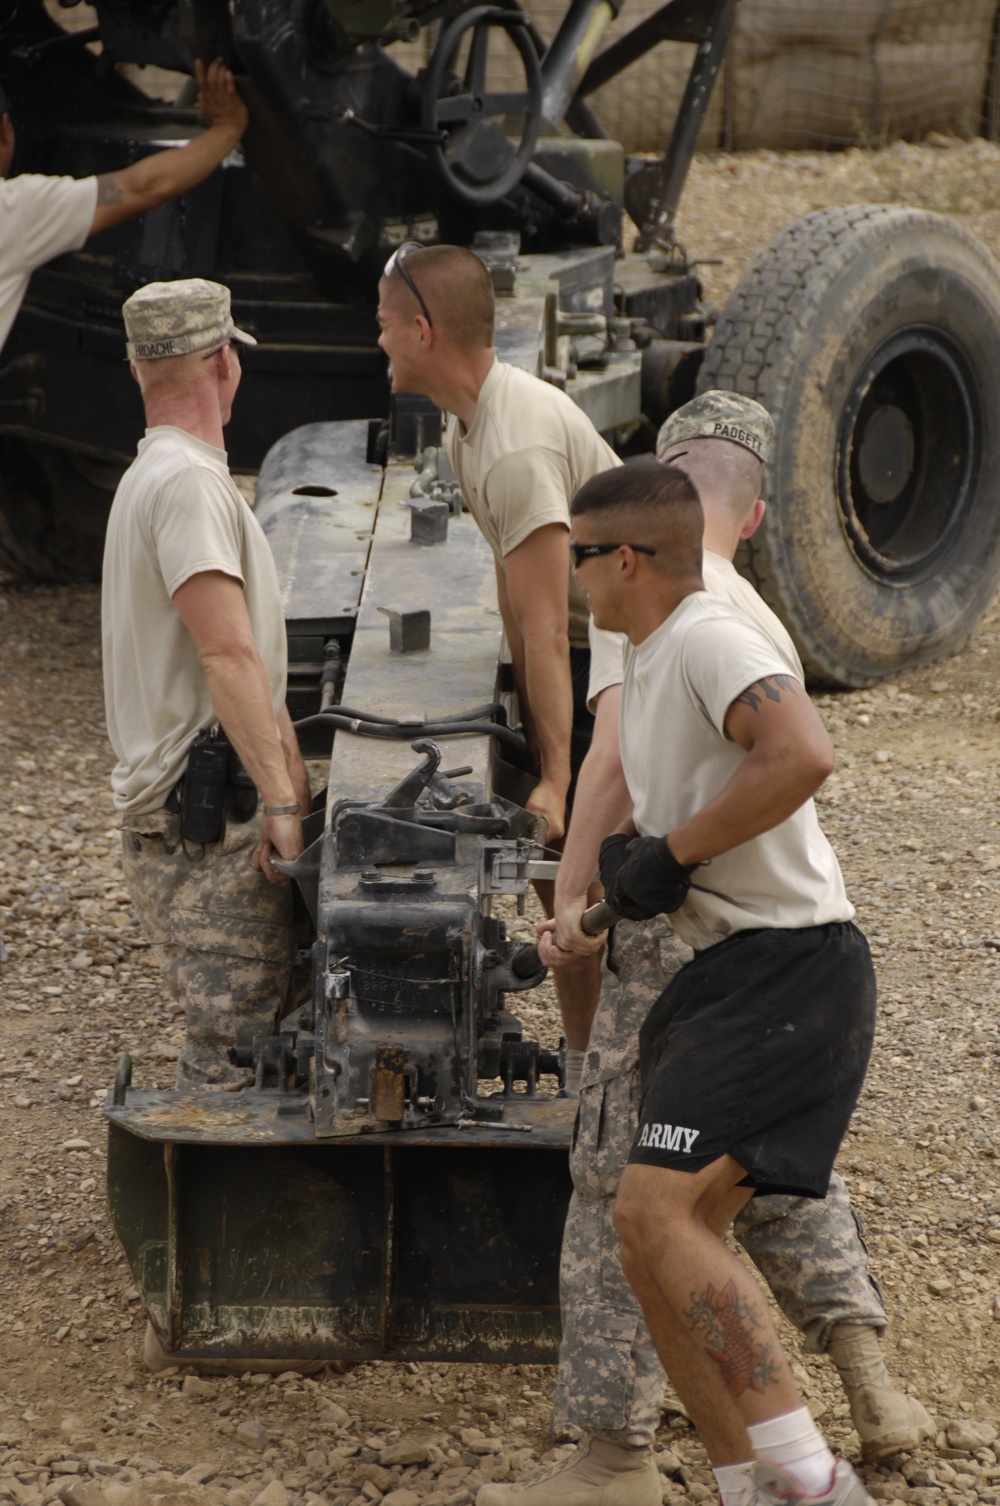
(803, 73)
(798, 73)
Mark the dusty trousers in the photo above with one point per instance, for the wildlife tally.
(809, 1250)
(221, 934)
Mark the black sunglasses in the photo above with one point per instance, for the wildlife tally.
(581, 552)
(395, 264)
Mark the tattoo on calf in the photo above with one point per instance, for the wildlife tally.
(728, 1322)
(108, 191)
(769, 688)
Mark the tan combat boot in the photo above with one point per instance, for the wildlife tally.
(596, 1473)
(887, 1421)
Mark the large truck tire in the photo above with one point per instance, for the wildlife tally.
(54, 506)
(872, 334)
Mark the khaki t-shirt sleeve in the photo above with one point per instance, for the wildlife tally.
(195, 527)
(56, 216)
(722, 658)
(606, 664)
(527, 490)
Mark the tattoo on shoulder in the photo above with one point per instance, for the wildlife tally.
(729, 1324)
(770, 689)
(108, 191)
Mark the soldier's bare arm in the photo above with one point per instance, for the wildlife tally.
(603, 803)
(537, 572)
(152, 180)
(214, 611)
(297, 771)
(789, 755)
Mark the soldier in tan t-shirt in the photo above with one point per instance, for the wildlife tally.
(41, 217)
(754, 1055)
(193, 636)
(610, 1384)
(520, 449)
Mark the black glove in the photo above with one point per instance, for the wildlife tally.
(614, 851)
(649, 881)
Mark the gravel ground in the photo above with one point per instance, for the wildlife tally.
(914, 811)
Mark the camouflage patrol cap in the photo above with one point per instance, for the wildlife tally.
(720, 415)
(177, 318)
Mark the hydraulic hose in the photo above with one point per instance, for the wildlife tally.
(366, 726)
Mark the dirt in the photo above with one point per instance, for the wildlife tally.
(914, 812)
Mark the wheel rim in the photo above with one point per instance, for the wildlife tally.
(908, 454)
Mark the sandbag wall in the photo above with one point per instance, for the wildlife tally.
(799, 73)
(808, 73)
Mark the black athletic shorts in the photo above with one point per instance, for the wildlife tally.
(583, 718)
(758, 1049)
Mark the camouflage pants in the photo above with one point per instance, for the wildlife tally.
(808, 1250)
(220, 932)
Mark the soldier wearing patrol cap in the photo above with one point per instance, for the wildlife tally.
(42, 216)
(194, 641)
(610, 1385)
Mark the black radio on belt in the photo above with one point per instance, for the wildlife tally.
(215, 783)
(203, 801)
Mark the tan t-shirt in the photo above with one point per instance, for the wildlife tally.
(176, 513)
(529, 450)
(678, 686)
(39, 218)
(721, 579)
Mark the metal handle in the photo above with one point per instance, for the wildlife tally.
(598, 918)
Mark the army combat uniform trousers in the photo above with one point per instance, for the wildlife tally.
(221, 934)
(808, 1250)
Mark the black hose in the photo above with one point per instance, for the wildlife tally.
(474, 714)
(407, 731)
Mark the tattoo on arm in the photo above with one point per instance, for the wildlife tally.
(770, 688)
(728, 1322)
(108, 191)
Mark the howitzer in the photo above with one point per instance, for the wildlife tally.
(394, 1181)
(360, 1200)
(871, 333)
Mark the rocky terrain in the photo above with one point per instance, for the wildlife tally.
(914, 811)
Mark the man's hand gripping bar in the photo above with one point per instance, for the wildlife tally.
(598, 918)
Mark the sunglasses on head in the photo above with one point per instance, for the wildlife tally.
(581, 552)
(395, 264)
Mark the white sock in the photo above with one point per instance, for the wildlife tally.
(735, 1483)
(574, 1071)
(794, 1443)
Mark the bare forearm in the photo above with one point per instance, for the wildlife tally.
(241, 697)
(765, 790)
(548, 691)
(166, 174)
(601, 804)
(297, 771)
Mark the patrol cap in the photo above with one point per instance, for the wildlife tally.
(720, 415)
(178, 318)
